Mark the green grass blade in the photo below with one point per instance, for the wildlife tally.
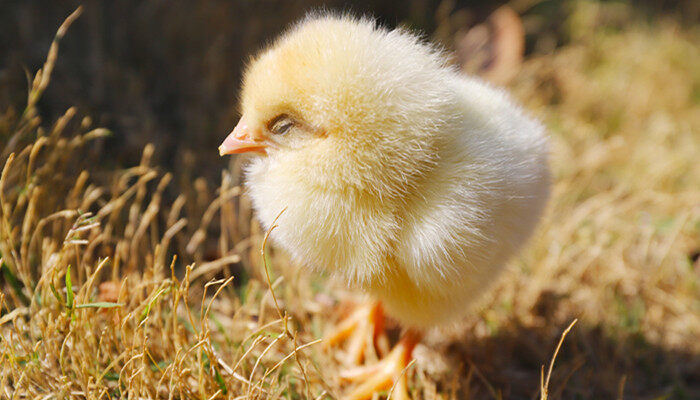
(11, 279)
(70, 296)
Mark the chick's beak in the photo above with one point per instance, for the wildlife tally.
(243, 139)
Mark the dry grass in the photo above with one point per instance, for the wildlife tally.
(94, 304)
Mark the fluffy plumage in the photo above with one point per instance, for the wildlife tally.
(403, 177)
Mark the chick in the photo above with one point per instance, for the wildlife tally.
(406, 179)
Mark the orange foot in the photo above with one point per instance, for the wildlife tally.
(363, 329)
(387, 374)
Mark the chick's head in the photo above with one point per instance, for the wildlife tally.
(344, 103)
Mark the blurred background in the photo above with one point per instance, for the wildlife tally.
(617, 83)
(168, 72)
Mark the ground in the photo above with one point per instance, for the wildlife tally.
(120, 281)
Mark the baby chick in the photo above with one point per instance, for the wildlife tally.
(405, 178)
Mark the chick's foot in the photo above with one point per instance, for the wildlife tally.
(387, 374)
(363, 330)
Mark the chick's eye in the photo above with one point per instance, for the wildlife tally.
(281, 125)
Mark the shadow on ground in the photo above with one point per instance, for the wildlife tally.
(592, 364)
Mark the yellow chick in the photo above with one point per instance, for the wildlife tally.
(407, 179)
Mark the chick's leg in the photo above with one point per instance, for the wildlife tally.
(387, 374)
(362, 328)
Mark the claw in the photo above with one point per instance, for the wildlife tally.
(363, 329)
(365, 325)
(384, 375)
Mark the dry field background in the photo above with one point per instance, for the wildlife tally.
(140, 274)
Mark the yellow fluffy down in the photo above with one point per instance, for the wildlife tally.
(403, 177)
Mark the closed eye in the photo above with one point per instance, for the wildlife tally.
(281, 124)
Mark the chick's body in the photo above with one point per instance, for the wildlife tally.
(406, 179)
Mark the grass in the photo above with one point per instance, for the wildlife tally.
(115, 283)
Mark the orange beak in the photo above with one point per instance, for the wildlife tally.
(243, 139)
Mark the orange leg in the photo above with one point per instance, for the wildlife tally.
(363, 328)
(387, 374)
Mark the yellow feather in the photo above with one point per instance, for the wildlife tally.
(407, 179)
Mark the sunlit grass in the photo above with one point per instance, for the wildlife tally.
(115, 283)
